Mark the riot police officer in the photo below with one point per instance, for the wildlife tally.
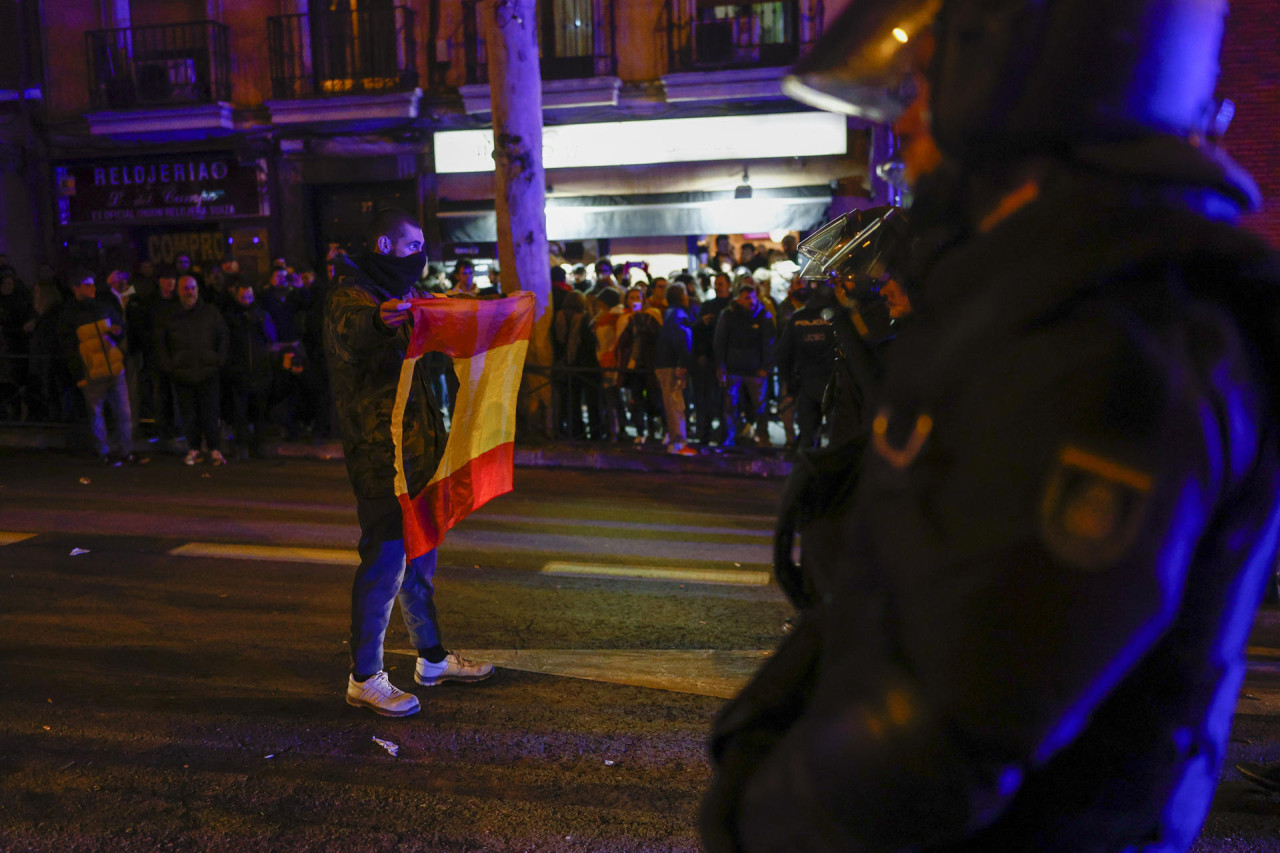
(850, 266)
(806, 358)
(1022, 628)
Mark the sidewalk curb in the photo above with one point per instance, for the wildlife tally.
(578, 456)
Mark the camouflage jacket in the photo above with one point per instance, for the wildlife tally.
(364, 358)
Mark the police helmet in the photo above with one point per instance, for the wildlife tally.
(1022, 75)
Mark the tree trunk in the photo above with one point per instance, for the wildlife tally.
(515, 86)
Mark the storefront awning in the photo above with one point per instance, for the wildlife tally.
(653, 215)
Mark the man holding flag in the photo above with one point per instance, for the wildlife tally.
(376, 327)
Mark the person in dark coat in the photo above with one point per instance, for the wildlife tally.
(192, 348)
(283, 303)
(575, 348)
(806, 359)
(157, 397)
(51, 383)
(798, 291)
(366, 337)
(249, 371)
(744, 352)
(638, 330)
(1021, 624)
(708, 393)
(17, 314)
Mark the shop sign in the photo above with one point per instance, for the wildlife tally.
(154, 190)
(673, 140)
(205, 248)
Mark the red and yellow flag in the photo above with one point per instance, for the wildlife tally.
(488, 340)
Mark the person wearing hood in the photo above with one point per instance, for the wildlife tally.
(366, 336)
(672, 360)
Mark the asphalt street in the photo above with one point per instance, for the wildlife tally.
(173, 655)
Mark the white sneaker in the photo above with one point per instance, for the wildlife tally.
(452, 668)
(216, 457)
(380, 696)
(192, 457)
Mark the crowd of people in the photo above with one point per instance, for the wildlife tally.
(181, 351)
(188, 358)
(704, 359)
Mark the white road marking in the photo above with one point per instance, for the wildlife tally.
(1260, 701)
(348, 557)
(9, 537)
(657, 573)
(705, 672)
(606, 524)
(328, 556)
(539, 544)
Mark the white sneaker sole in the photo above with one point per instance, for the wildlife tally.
(457, 679)
(356, 703)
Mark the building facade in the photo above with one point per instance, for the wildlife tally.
(230, 127)
(141, 129)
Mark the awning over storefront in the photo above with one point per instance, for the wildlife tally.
(653, 215)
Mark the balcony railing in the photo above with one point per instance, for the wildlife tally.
(575, 40)
(707, 36)
(342, 53)
(158, 66)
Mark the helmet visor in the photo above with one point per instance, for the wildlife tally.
(856, 245)
(866, 63)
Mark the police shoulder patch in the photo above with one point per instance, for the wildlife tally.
(1092, 508)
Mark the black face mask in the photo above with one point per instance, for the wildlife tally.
(396, 275)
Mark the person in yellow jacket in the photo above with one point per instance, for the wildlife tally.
(92, 336)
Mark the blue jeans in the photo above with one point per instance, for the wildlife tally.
(112, 391)
(384, 575)
(749, 390)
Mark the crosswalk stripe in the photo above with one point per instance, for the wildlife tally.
(481, 519)
(329, 556)
(705, 672)
(657, 573)
(9, 537)
(1260, 701)
(347, 557)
